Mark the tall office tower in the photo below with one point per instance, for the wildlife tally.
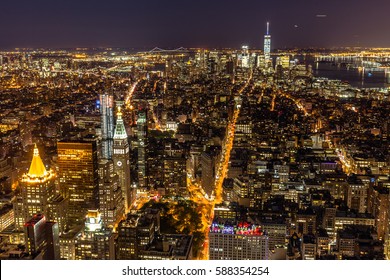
(135, 233)
(241, 190)
(211, 65)
(175, 175)
(381, 211)
(58, 209)
(111, 202)
(142, 132)
(42, 238)
(96, 242)
(245, 57)
(107, 124)
(36, 190)
(121, 158)
(237, 241)
(78, 177)
(200, 58)
(284, 61)
(267, 47)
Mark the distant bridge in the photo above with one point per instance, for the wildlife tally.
(159, 50)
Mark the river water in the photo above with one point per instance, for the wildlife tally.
(374, 78)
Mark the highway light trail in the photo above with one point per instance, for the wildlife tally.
(130, 94)
(297, 102)
(196, 192)
(227, 147)
(273, 102)
(156, 121)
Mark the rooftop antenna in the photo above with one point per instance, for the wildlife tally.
(267, 28)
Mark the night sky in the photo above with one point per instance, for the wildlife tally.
(195, 23)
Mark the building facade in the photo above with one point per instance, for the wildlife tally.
(37, 189)
(107, 124)
(78, 177)
(121, 158)
(237, 241)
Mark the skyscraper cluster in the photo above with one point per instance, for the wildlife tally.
(222, 154)
(90, 189)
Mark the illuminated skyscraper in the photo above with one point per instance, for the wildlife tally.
(58, 209)
(78, 177)
(107, 124)
(111, 201)
(121, 158)
(37, 189)
(380, 209)
(267, 47)
(245, 57)
(142, 131)
(175, 175)
(96, 242)
(42, 238)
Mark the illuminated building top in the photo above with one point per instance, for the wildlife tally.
(93, 221)
(120, 132)
(267, 44)
(37, 171)
(37, 168)
(35, 220)
(107, 123)
(241, 228)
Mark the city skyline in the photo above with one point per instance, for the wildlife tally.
(224, 142)
(198, 24)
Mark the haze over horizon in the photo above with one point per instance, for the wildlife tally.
(140, 24)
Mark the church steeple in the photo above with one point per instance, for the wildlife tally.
(120, 131)
(37, 168)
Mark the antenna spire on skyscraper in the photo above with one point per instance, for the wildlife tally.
(267, 47)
